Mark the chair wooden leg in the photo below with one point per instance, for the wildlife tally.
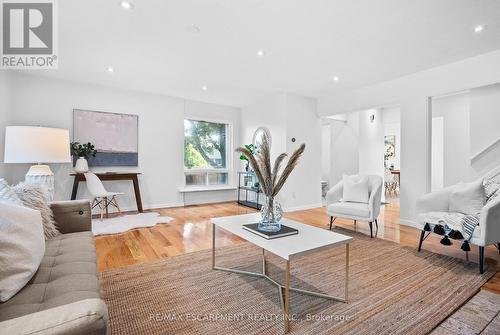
(376, 223)
(117, 205)
(106, 206)
(481, 259)
(371, 229)
(101, 207)
(422, 235)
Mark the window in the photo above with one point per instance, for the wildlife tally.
(206, 153)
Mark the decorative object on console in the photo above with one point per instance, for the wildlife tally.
(270, 180)
(243, 157)
(37, 145)
(115, 136)
(83, 152)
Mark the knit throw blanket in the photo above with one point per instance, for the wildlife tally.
(452, 226)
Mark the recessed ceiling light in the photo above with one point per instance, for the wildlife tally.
(193, 29)
(204, 88)
(335, 78)
(260, 53)
(126, 5)
(478, 29)
(110, 69)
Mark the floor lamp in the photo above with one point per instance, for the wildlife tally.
(37, 145)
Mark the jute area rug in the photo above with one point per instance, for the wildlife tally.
(392, 290)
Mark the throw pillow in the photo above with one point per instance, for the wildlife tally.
(355, 188)
(468, 198)
(7, 194)
(33, 196)
(492, 189)
(22, 247)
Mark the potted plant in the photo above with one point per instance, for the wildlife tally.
(243, 156)
(83, 152)
(271, 180)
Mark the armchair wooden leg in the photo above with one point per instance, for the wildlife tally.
(481, 259)
(376, 223)
(371, 229)
(422, 234)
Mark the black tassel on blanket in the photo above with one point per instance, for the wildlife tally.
(445, 240)
(439, 229)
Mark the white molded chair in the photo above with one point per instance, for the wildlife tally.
(488, 231)
(336, 208)
(101, 197)
(390, 182)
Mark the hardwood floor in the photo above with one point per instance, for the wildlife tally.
(191, 231)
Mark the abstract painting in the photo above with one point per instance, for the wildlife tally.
(115, 136)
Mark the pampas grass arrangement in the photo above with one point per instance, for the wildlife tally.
(270, 179)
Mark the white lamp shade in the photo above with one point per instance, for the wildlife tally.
(36, 145)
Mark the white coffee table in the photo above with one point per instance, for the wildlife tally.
(309, 239)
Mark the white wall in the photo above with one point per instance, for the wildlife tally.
(303, 188)
(437, 155)
(411, 93)
(326, 138)
(49, 102)
(344, 148)
(484, 126)
(5, 110)
(454, 109)
(287, 116)
(371, 143)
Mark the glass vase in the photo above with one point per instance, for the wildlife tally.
(271, 214)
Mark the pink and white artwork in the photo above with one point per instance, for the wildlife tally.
(115, 136)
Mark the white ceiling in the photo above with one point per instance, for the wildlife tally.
(306, 42)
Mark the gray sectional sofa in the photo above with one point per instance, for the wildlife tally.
(63, 297)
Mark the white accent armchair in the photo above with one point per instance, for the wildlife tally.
(437, 203)
(336, 208)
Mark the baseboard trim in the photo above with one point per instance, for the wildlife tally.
(302, 208)
(407, 222)
(144, 206)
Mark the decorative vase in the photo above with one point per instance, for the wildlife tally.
(271, 215)
(81, 165)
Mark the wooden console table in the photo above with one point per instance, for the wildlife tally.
(111, 176)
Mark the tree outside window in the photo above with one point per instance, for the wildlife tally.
(205, 148)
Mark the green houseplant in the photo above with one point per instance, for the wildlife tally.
(83, 152)
(243, 156)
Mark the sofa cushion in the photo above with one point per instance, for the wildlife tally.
(67, 274)
(350, 209)
(468, 198)
(7, 194)
(22, 247)
(33, 196)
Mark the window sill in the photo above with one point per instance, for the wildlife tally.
(189, 189)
